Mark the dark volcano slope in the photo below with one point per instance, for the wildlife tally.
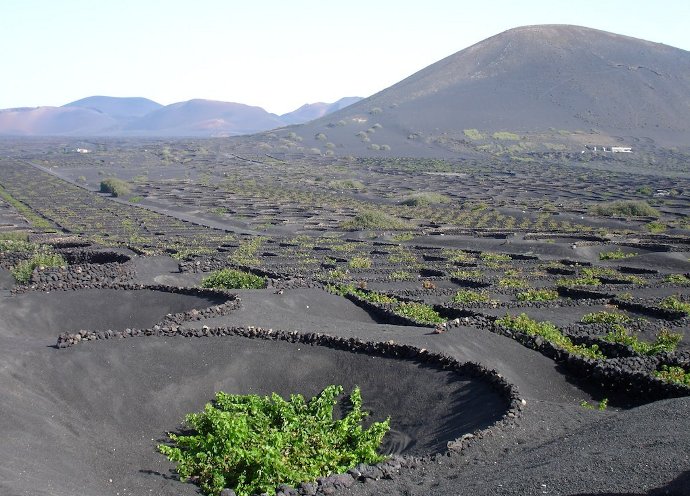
(535, 79)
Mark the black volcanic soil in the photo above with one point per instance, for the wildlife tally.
(73, 419)
(86, 420)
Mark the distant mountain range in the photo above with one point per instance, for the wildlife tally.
(533, 88)
(548, 87)
(104, 115)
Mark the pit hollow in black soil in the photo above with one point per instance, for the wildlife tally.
(110, 402)
(42, 315)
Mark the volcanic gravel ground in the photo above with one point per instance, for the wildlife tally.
(86, 420)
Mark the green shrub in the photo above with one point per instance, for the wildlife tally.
(400, 254)
(400, 275)
(454, 255)
(673, 303)
(625, 209)
(617, 254)
(470, 296)
(603, 404)
(115, 186)
(549, 332)
(676, 375)
(371, 296)
(419, 312)
(371, 219)
(404, 236)
(16, 243)
(656, 227)
(468, 275)
(538, 295)
(346, 184)
(495, 257)
(233, 279)
(360, 263)
(14, 236)
(473, 134)
(337, 274)
(245, 253)
(681, 279)
(511, 282)
(665, 341)
(253, 444)
(505, 135)
(605, 317)
(22, 271)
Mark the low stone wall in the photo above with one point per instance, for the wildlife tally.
(632, 374)
(10, 259)
(169, 325)
(389, 349)
(81, 276)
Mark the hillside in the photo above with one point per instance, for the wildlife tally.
(118, 107)
(48, 121)
(204, 118)
(538, 87)
(136, 116)
(311, 111)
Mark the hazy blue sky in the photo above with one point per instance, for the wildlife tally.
(276, 54)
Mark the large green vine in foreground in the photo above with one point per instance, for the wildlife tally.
(252, 444)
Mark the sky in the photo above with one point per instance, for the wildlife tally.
(276, 54)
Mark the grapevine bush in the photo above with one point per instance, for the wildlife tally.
(252, 444)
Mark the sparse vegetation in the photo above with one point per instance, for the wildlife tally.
(665, 341)
(675, 304)
(456, 256)
(36, 220)
(468, 275)
(605, 317)
(252, 444)
(16, 242)
(41, 259)
(680, 279)
(495, 257)
(673, 374)
(656, 227)
(424, 199)
(370, 296)
(549, 332)
(404, 236)
(400, 275)
(470, 296)
(233, 279)
(116, 187)
(505, 135)
(245, 253)
(346, 184)
(603, 404)
(624, 208)
(360, 263)
(537, 295)
(616, 254)
(473, 134)
(512, 282)
(420, 312)
(371, 219)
